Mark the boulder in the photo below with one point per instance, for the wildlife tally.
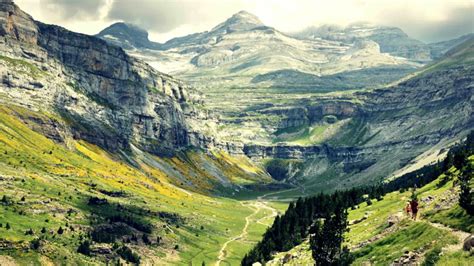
(468, 243)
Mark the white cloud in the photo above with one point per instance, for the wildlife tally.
(424, 19)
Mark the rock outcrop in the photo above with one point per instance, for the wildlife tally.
(17, 24)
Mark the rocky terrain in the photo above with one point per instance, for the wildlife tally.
(103, 158)
(109, 98)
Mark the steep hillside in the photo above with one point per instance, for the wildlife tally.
(440, 48)
(422, 217)
(380, 233)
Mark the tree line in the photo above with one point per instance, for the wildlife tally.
(324, 216)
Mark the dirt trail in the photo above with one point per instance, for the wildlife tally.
(256, 206)
(461, 235)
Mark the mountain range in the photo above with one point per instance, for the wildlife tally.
(242, 47)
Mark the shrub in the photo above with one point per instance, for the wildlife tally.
(97, 201)
(109, 233)
(146, 239)
(330, 119)
(432, 256)
(134, 222)
(369, 202)
(85, 248)
(127, 254)
(35, 243)
(6, 200)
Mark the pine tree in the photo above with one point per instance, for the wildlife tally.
(326, 242)
(466, 196)
(84, 248)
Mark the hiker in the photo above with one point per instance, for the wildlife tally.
(414, 207)
(408, 209)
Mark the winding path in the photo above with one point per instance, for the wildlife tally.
(461, 235)
(256, 206)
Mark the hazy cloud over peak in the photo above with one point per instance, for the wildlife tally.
(167, 15)
(71, 9)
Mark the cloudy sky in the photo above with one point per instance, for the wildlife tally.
(427, 20)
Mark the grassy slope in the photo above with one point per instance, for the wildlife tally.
(307, 135)
(57, 182)
(410, 236)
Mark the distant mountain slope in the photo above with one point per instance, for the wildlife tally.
(392, 40)
(440, 48)
(127, 36)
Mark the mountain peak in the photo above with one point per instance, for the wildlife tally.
(246, 15)
(127, 35)
(125, 28)
(240, 21)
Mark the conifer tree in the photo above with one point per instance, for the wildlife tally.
(466, 196)
(326, 242)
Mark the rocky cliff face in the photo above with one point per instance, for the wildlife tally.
(17, 24)
(108, 97)
(309, 112)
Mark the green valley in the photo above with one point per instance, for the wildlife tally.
(243, 144)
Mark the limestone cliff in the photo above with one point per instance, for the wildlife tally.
(106, 96)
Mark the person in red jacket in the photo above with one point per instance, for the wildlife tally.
(414, 208)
